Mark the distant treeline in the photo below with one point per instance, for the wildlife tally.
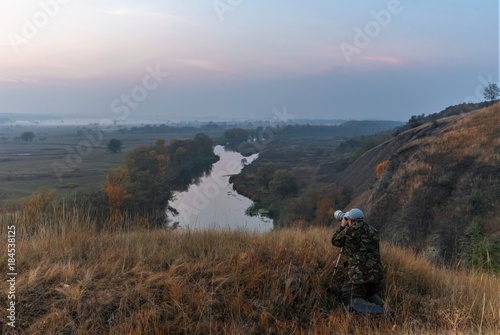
(417, 120)
(164, 128)
(349, 129)
(253, 128)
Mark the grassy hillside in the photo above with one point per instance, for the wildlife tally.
(439, 186)
(73, 279)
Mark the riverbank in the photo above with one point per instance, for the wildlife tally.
(212, 202)
(311, 162)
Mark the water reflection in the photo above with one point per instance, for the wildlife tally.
(184, 177)
(213, 203)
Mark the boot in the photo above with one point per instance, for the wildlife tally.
(374, 298)
(360, 302)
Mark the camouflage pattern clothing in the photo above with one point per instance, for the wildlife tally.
(360, 244)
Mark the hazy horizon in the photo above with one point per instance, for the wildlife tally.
(239, 59)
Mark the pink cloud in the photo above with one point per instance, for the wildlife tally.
(384, 59)
(19, 80)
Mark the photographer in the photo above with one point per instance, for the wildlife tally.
(360, 245)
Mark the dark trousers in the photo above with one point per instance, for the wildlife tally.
(350, 291)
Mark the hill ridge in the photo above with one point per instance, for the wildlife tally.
(450, 166)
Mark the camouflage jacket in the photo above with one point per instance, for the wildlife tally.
(361, 249)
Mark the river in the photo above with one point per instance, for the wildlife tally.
(213, 202)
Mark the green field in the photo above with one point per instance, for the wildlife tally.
(64, 159)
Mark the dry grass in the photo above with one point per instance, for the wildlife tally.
(75, 280)
(443, 177)
(475, 135)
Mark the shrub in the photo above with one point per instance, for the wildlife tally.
(380, 168)
(479, 251)
(39, 204)
(28, 136)
(114, 145)
(70, 185)
(283, 183)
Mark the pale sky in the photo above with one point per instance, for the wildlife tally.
(243, 59)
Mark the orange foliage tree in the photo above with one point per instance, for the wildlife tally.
(144, 186)
(324, 209)
(141, 187)
(380, 168)
(116, 191)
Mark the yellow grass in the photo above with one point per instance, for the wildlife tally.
(457, 140)
(73, 279)
(475, 135)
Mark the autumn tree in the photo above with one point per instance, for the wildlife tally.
(380, 168)
(189, 160)
(191, 151)
(177, 150)
(153, 159)
(324, 209)
(147, 168)
(117, 182)
(144, 186)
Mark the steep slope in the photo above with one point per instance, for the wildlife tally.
(441, 178)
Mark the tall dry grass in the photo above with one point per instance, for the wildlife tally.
(474, 135)
(74, 279)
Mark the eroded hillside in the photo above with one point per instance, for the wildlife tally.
(441, 182)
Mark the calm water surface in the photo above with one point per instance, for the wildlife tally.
(213, 203)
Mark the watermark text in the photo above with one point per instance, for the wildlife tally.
(48, 9)
(222, 7)
(11, 275)
(120, 106)
(363, 36)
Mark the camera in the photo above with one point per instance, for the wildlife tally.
(339, 215)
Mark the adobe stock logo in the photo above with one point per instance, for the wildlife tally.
(94, 138)
(30, 28)
(224, 6)
(479, 92)
(138, 93)
(209, 190)
(373, 28)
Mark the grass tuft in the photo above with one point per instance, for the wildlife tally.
(73, 279)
